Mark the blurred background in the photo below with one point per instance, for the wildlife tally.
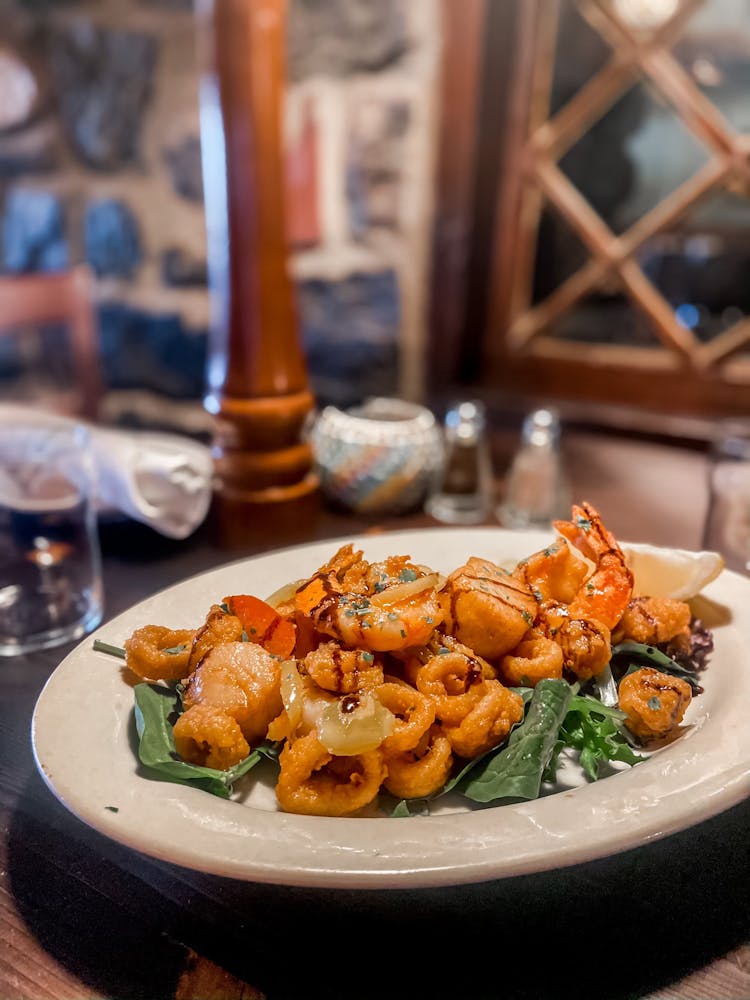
(528, 202)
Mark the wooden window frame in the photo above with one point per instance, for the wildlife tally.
(504, 167)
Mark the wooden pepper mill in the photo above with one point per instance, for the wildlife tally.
(257, 384)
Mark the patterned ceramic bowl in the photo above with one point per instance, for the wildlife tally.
(381, 457)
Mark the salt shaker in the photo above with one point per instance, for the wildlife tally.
(536, 491)
(464, 494)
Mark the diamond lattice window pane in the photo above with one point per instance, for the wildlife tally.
(580, 53)
(715, 50)
(701, 264)
(633, 157)
(559, 254)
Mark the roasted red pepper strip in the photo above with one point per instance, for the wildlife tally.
(263, 624)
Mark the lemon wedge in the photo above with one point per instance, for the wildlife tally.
(675, 573)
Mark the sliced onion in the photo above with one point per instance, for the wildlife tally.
(292, 693)
(399, 592)
(284, 594)
(348, 733)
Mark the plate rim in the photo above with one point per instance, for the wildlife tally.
(375, 872)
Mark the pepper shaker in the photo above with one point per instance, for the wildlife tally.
(464, 493)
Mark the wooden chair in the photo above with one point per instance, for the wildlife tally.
(63, 297)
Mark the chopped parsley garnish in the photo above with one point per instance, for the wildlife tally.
(654, 704)
(407, 575)
(368, 657)
(583, 523)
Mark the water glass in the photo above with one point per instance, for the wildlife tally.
(727, 525)
(50, 573)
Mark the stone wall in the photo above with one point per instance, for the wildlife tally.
(100, 162)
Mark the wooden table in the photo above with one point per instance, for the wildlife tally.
(82, 917)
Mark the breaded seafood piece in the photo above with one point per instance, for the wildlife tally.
(242, 680)
(486, 608)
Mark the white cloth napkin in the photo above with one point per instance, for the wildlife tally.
(163, 480)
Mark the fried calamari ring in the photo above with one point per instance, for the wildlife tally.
(315, 783)
(148, 652)
(422, 770)
(207, 736)
(414, 713)
(342, 671)
(453, 681)
(491, 718)
(531, 661)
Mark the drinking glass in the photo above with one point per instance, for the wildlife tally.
(50, 572)
(727, 525)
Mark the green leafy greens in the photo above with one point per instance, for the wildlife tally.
(516, 771)
(596, 732)
(155, 708)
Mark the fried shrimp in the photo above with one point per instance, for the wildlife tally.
(486, 608)
(371, 611)
(554, 575)
(653, 620)
(422, 770)
(156, 653)
(488, 722)
(210, 737)
(342, 671)
(533, 659)
(607, 591)
(242, 680)
(654, 703)
(315, 783)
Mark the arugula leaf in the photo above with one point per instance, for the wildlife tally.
(155, 706)
(596, 731)
(639, 655)
(516, 771)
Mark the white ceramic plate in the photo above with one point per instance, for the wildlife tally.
(83, 741)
